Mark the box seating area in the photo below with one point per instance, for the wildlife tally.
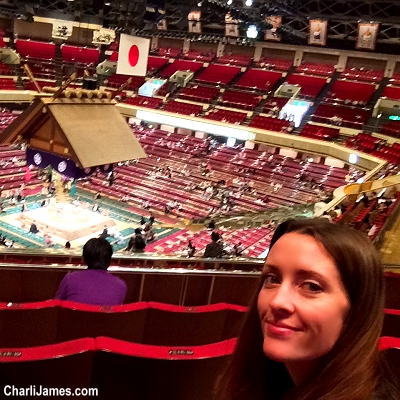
(344, 116)
(117, 369)
(275, 63)
(363, 216)
(319, 132)
(258, 79)
(275, 102)
(363, 75)
(277, 169)
(80, 55)
(202, 94)
(33, 49)
(242, 100)
(7, 84)
(117, 80)
(392, 92)
(231, 117)
(142, 101)
(311, 86)
(235, 59)
(199, 56)
(350, 92)
(248, 237)
(391, 129)
(269, 123)
(180, 65)
(316, 69)
(218, 74)
(181, 107)
(6, 117)
(375, 146)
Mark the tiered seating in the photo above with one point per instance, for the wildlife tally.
(7, 84)
(392, 92)
(116, 80)
(363, 74)
(231, 117)
(6, 117)
(199, 56)
(203, 94)
(316, 69)
(259, 79)
(363, 142)
(345, 116)
(275, 63)
(5, 69)
(350, 92)
(42, 69)
(33, 49)
(391, 347)
(218, 74)
(167, 52)
(391, 129)
(148, 102)
(269, 124)
(319, 132)
(310, 85)
(243, 100)
(235, 59)
(80, 55)
(395, 79)
(180, 107)
(275, 102)
(181, 65)
(31, 86)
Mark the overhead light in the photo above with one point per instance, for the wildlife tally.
(252, 32)
(229, 2)
(248, 3)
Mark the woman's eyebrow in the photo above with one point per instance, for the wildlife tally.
(305, 273)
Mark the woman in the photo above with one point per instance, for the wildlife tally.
(313, 328)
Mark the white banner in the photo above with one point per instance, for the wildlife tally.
(103, 36)
(62, 29)
(132, 55)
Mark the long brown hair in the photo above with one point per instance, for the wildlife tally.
(351, 368)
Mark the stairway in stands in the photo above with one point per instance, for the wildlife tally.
(318, 100)
(58, 66)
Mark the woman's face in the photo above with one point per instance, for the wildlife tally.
(303, 303)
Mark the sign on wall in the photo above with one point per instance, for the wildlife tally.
(103, 36)
(194, 22)
(367, 34)
(62, 29)
(231, 26)
(272, 34)
(317, 32)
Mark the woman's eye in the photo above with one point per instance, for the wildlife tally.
(270, 279)
(312, 287)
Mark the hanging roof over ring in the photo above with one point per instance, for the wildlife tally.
(89, 131)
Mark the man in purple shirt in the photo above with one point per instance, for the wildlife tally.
(94, 285)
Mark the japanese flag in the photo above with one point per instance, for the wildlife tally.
(132, 55)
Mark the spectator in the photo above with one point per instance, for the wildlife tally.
(33, 229)
(136, 243)
(95, 285)
(215, 248)
(190, 249)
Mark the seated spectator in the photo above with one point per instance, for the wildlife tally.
(136, 243)
(190, 249)
(33, 229)
(215, 248)
(95, 285)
